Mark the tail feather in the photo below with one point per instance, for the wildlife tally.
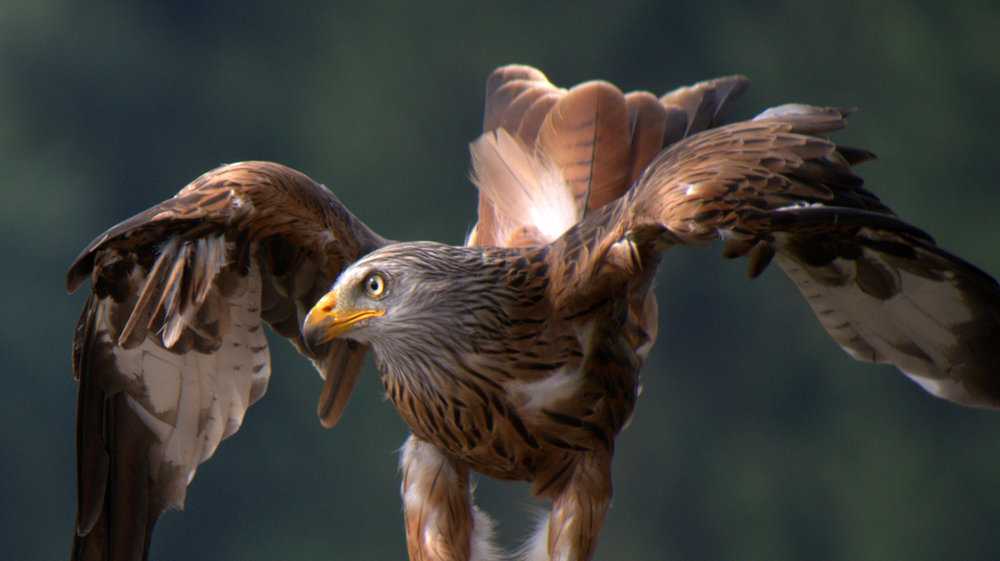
(705, 104)
(648, 120)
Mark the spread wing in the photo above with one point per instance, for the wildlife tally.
(170, 350)
(775, 189)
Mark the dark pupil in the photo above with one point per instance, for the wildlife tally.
(374, 284)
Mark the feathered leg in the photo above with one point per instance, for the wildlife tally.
(442, 524)
(578, 511)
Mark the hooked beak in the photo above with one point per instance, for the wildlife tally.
(327, 321)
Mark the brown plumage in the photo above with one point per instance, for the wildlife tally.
(170, 350)
(518, 355)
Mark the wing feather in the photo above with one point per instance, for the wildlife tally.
(774, 187)
(170, 350)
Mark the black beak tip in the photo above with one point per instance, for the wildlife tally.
(310, 344)
(312, 339)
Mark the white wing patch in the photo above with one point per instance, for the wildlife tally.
(191, 401)
(915, 328)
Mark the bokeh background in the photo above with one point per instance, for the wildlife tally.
(756, 438)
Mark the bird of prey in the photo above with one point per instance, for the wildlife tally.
(518, 355)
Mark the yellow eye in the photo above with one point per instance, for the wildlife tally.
(374, 285)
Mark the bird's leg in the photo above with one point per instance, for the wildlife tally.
(442, 524)
(578, 510)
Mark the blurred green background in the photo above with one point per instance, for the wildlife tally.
(756, 438)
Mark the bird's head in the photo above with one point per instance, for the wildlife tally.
(402, 295)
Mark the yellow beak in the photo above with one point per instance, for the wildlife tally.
(326, 321)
